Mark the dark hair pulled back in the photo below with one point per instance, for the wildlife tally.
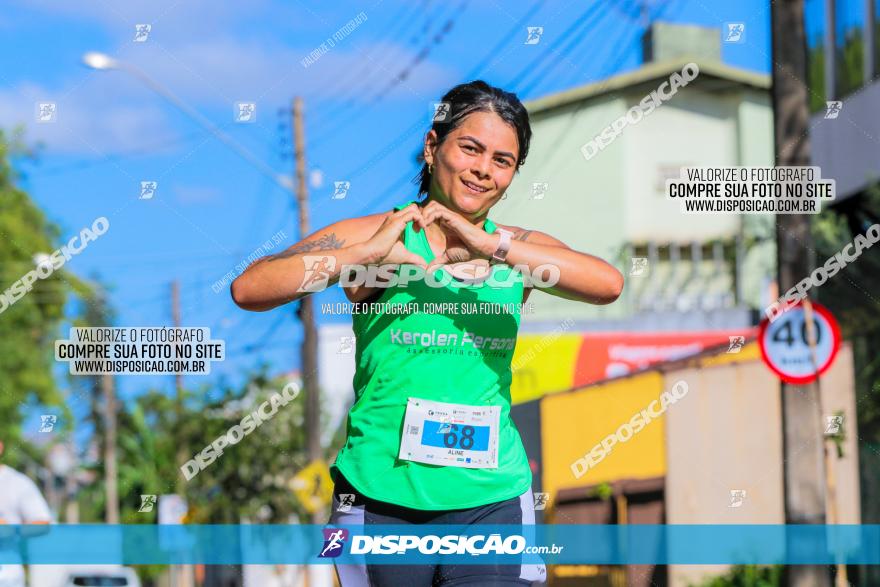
(478, 96)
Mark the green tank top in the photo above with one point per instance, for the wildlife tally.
(402, 355)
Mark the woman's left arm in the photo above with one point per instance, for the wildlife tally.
(582, 277)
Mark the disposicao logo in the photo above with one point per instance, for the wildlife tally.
(334, 540)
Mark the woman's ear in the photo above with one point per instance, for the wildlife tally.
(430, 147)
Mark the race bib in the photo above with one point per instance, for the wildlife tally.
(454, 435)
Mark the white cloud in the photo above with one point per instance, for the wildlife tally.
(218, 72)
(208, 69)
(91, 123)
(194, 15)
(224, 70)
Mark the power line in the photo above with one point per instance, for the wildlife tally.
(438, 39)
(607, 73)
(143, 151)
(571, 34)
(505, 39)
(173, 259)
(358, 79)
(425, 27)
(383, 194)
(623, 49)
(358, 94)
(576, 41)
(397, 141)
(401, 77)
(262, 341)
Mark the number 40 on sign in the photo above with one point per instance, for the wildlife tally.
(785, 344)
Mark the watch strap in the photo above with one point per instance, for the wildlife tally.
(500, 253)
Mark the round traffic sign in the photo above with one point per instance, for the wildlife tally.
(785, 347)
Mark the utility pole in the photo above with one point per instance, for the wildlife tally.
(309, 349)
(306, 307)
(803, 434)
(104, 412)
(182, 574)
(110, 469)
(180, 485)
(71, 487)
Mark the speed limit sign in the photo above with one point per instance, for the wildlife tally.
(785, 344)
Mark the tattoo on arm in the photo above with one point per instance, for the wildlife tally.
(327, 242)
(522, 235)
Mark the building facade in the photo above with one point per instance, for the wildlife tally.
(694, 272)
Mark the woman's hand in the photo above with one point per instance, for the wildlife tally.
(464, 241)
(386, 246)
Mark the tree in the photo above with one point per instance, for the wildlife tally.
(29, 325)
(851, 296)
(747, 576)
(832, 230)
(816, 75)
(850, 58)
(249, 480)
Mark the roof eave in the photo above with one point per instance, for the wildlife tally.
(647, 73)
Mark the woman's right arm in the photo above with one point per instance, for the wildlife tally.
(278, 279)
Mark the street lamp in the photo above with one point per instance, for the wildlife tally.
(102, 62)
(99, 61)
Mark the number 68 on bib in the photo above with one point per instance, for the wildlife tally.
(455, 435)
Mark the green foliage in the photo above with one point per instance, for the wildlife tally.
(603, 491)
(249, 480)
(876, 44)
(850, 62)
(849, 293)
(747, 576)
(851, 297)
(816, 77)
(30, 325)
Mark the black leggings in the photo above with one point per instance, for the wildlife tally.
(363, 510)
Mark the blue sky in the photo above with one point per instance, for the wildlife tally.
(212, 209)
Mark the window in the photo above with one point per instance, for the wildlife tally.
(668, 171)
(815, 21)
(849, 46)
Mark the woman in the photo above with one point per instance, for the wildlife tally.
(430, 437)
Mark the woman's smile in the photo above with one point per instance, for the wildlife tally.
(473, 187)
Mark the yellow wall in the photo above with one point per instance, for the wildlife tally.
(543, 363)
(573, 422)
(546, 363)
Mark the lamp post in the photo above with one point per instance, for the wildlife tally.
(103, 62)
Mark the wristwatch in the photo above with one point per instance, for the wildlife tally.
(500, 253)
